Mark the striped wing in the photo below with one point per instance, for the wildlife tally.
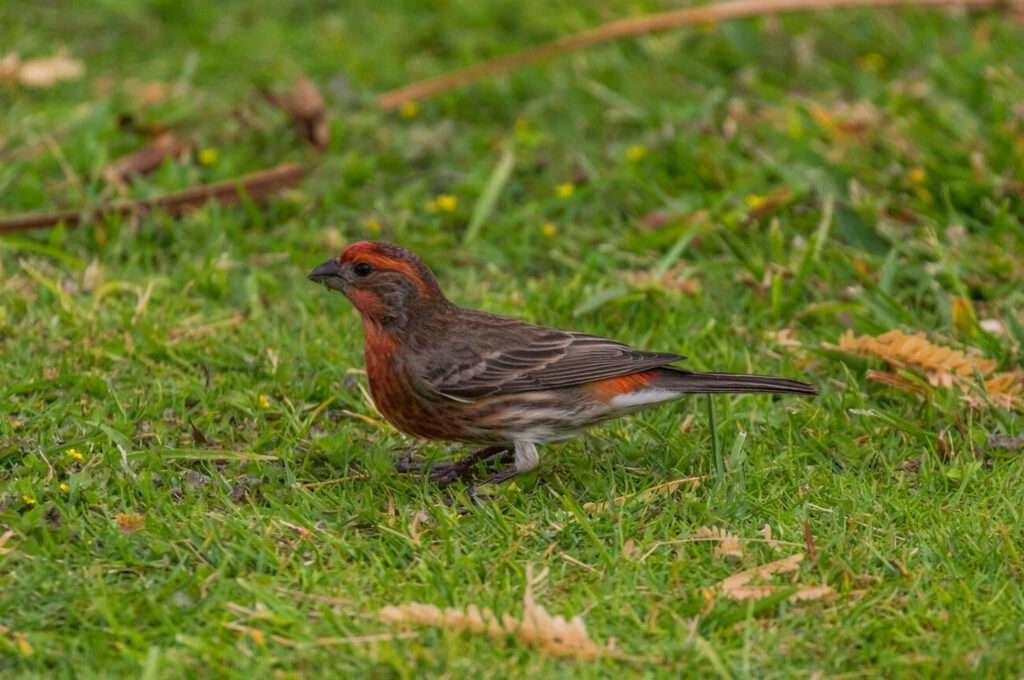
(528, 358)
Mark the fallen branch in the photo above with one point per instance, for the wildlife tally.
(256, 187)
(653, 23)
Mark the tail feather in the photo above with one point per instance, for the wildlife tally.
(689, 382)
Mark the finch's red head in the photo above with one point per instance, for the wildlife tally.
(386, 283)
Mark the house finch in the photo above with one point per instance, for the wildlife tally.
(439, 371)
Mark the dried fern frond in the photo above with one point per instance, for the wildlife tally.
(728, 545)
(1004, 389)
(647, 495)
(739, 586)
(941, 365)
(554, 635)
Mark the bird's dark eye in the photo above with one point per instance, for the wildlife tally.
(362, 269)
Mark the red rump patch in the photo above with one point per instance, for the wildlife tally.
(608, 389)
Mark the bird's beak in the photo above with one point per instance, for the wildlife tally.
(330, 274)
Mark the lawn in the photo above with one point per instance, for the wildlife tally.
(194, 482)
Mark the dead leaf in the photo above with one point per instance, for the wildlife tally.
(131, 522)
(766, 534)
(965, 319)
(941, 366)
(784, 338)
(728, 545)
(673, 281)
(739, 586)
(306, 107)
(6, 536)
(40, 73)
(845, 121)
(147, 159)
(759, 206)
(1004, 389)
(996, 441)
(552, 635)
(646, 496)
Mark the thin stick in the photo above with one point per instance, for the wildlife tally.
(635, 26)
(256, 186)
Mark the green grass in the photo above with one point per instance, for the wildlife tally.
(146, 345)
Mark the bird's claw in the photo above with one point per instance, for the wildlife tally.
(409, 463)
(441, 473)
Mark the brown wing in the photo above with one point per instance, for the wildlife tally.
(510, 357)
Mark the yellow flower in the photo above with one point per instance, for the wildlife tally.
(28, 500)
(872, 62)
(372, 225)
(565, 189)
(208, 156)
(21, 642)
(637, 152)
(264, 401)
(446, 202)
(755, 201)
(16, 424)
(65, 487)
(409, 110)
(549, 229)
(917, 175)
(75, 454)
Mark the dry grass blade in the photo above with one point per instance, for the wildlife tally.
(6, 536)
(554, 635)
(636, 26)
(256, 187)
(147, 159)
(898, 382)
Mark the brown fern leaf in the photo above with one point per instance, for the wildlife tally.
(940, 365)
(554, 635)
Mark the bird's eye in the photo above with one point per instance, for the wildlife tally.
(362, 269)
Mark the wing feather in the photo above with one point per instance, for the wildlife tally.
(525, 358)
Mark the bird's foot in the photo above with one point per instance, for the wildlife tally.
(444, 473)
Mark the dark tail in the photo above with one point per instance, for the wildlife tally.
(688, 382)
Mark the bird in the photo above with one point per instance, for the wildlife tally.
(438, 371)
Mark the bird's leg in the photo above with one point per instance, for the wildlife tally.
(526, 459)
(446, 472)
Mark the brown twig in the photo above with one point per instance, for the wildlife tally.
(636, 26)
(256, 186)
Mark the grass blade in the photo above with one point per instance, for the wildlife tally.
(489, 198)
